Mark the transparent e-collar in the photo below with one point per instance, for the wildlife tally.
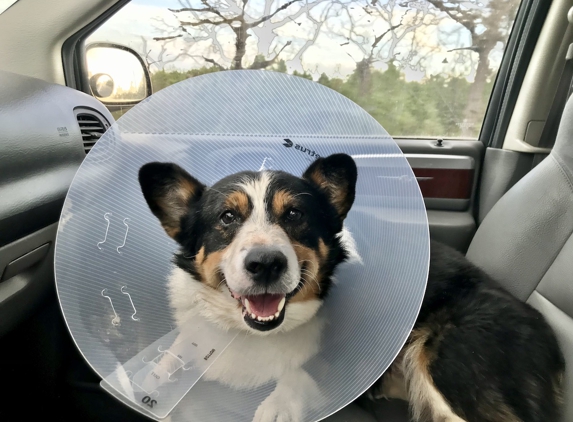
(113, 259)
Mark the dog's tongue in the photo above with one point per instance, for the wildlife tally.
(265, 305)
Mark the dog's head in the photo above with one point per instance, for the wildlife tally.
(261, 246)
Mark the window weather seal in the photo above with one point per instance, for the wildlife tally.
(523, 38)
(73, 55)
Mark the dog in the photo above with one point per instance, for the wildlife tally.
(257, 254)
(476, 353)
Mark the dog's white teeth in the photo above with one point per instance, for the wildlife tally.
(277, 314)
(247, 305)
(269, 318)
(281, 304)
(253, 316)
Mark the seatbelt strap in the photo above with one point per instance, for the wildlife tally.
(561, 96)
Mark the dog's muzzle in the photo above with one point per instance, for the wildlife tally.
(265, 302)
(265, 266)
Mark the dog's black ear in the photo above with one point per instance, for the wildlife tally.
(169, 191)
(336, 176)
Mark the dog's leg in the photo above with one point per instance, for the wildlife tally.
(392, 384)
(294, 394)
(426, 401)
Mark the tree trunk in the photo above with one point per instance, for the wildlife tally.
(240, 45)
(475, 108)
(364, 71)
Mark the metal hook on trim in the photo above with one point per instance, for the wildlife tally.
(133, 317)
(106, 216)
(115, 320)
(125, 220)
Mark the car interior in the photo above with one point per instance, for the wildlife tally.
(502, 194)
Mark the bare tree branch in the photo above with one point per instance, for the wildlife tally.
(461, 17)
(266, 63)
(210, 9)
(204, 22)
(471, 48)
(213, 62)
(266, 18)
(167, 38)
(379, 38)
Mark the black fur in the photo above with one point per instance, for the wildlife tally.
(492, 357)
(320, 221)
(199, 226)
(488, 351)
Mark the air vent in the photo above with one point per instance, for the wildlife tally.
(92, 128)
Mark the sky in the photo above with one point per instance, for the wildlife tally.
(330, 52)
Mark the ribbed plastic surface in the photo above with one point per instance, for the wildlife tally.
(113, 257)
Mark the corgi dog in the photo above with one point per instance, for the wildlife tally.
(258, 251)
(257, 254)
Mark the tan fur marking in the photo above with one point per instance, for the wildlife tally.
(208, 267)
(318, 178)
(409, 378)
(239, 201)
(186, 188)
(392, 385)
(281, 202)
(200, 256)
(322, 250)
(309, 259)
(336, 194)
(174, 205)
(425, 399)
(171, 231)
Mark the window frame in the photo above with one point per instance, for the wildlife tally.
(517, 54)
(73, 50)
(527, 26)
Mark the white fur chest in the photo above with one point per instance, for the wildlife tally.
(251, 360)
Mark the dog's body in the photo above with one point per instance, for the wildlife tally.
(258, 251)
(476, 353)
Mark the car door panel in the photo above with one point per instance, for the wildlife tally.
(448, 174)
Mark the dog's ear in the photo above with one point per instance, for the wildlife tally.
(336, 176)
(169, 191)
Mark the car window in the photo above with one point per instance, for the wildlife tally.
(421, 68)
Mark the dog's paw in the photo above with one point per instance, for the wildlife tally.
(277, 409)
(390, 386)
(376, 392)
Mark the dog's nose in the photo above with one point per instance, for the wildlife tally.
(265, 265)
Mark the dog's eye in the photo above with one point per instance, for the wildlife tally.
(293, 214)
(228, 217)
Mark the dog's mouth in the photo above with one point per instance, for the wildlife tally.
(262, 312)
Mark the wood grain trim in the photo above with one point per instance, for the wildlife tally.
(445, 183)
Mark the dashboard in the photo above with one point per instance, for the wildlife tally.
(45, 132)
